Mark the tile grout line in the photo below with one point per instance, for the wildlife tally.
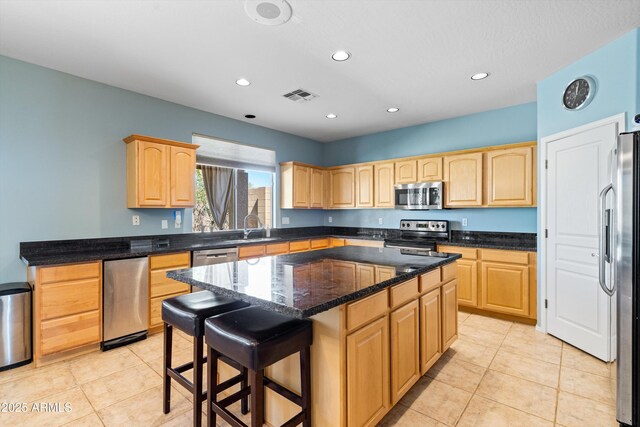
(555, 416)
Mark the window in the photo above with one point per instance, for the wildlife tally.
(237, 180)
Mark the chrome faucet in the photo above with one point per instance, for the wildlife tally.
(249, 230)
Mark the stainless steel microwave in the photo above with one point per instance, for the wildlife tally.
(419, 196)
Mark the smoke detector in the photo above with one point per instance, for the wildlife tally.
(300, 95)
(268, 12)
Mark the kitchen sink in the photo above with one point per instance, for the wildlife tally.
(257, 240)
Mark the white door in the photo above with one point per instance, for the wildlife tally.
(579, 167)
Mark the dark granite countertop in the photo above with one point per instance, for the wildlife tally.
(83, 250)
(303, 284)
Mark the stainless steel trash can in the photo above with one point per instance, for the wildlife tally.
(15, 325)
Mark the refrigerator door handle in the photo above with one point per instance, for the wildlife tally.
(603, 241)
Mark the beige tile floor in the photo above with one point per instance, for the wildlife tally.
(498, 373)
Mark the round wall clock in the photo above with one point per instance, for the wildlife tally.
(579, 93)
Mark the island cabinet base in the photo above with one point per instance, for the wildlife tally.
(368, 353)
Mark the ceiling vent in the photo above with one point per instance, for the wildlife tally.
(268, 12)
(300, 95)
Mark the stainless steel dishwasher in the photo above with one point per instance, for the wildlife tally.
(215, 256)
(125, 302)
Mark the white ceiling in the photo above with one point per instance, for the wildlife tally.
(413, 54)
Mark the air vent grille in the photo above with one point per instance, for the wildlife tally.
(300, 95)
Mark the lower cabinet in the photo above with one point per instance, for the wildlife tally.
(368, 374)
(430, 330)
(505, 288)
(161, 287)
(405, 349)
(449, 314)
(67, 307)
(468, 282)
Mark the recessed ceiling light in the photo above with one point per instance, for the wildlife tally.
(341, 55)
(243, 82)
(393, 110)
(331, 116)
(250, 116)
(479, 76)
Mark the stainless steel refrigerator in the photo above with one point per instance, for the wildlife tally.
(626, 255)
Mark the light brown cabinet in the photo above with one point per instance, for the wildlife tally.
(405, 349)
(367, 373)
(365, 275)
(406, 171)
(364, 186)
(316, 193)
(343, 273)
(505, 288)
(384, 185)
(67, 308)
(254, 251)
(430, 169)
(342, 188)
(295, 187)
(468, 282)
(161, 287)
(509, 177)
(160, 173)
(449, 296)
(430, 329)
(463, 180)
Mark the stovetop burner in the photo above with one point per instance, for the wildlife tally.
(420, 234)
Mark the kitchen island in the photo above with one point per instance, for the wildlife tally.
(381, 318)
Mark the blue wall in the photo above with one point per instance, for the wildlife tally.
(616, 69)
(496, 127)
(62, 159)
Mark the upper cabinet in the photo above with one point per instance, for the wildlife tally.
(509, 177)
(342, 187)
(430, 169)
(463, 180)
(316, 195)
(406, 171)
(383, 185)
(364, 186)
(160, 173)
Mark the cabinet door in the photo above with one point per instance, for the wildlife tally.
(405, 349)
(510, 177)
(406, 172)
(449, 314)
(343, 188)
(317, 189)
(463, 180)
(152, 174)
(365, 275)
(182, 173)
(364, 186)
(383, 185)
(505, 288)
(326, 197)
(468, 282)
(301, 181)
(368, 374)
(430, 330)
(384, 273)
(430, 169)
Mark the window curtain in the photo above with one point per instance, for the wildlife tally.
(218, 184)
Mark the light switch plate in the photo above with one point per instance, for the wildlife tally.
(165, 224)
(464, 222)
(380, 221)
(285, 220)
(135, 219)
(330, 219)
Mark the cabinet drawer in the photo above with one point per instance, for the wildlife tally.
(509, 257)
(336, 242)
(299, 246)
(319, 243)
(277, 248)
(65, 273)
(160, 284)
(175, 261)
(399, 294)
(69, 332)
(66, 298)
(430, 280)
(467, 253)
(155, 308)
(449, 271)
(362, 242)
(251, 251)
(367, 309)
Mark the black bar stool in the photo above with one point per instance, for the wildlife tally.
(188, 313)
(256, 338)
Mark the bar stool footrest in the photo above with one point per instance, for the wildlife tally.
(282, 391)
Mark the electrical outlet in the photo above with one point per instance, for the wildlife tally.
(380, 221)
(464, 222)
(135, 220)
(330, 219)
(165, 224)
(285, 220)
